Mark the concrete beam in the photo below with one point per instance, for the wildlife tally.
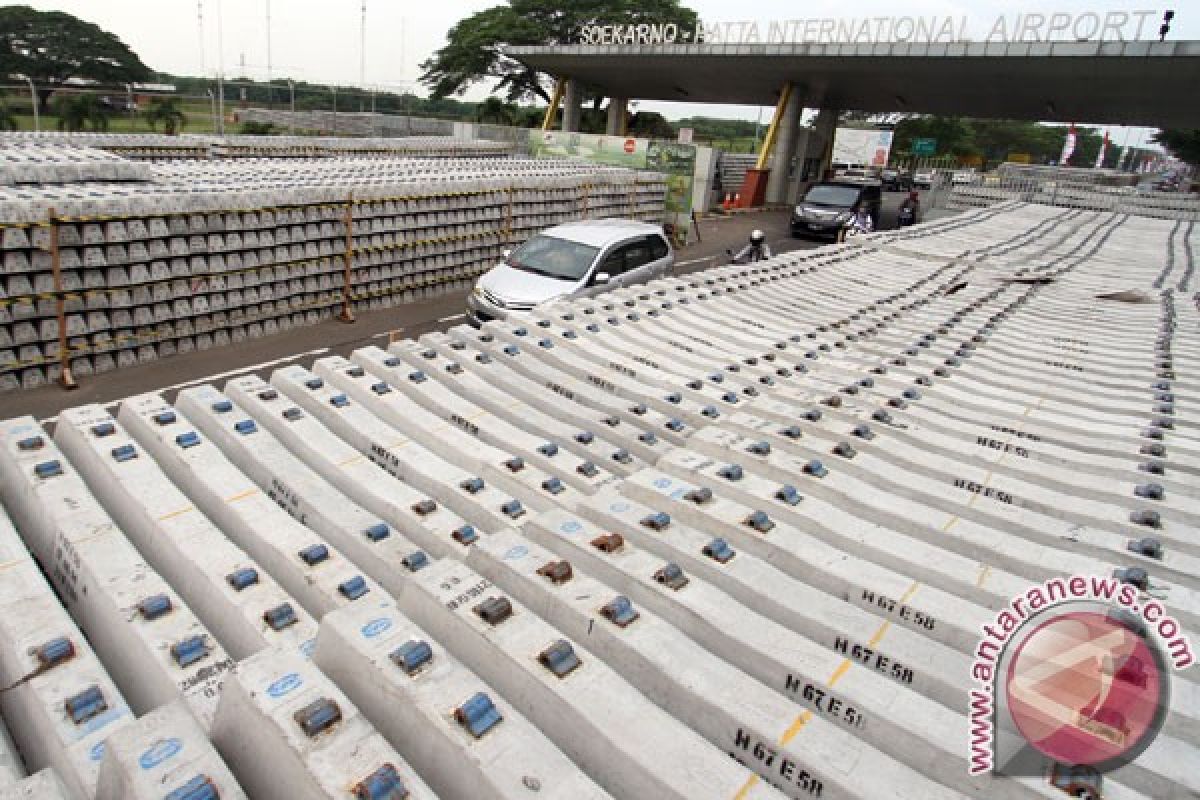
(785, 147)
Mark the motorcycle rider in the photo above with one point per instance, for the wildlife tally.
(909, 209)
(757, 250)
(859, 222)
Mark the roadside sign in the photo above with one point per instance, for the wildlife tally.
(924, 147)
(685, 135)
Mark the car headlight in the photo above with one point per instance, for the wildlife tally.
(843, 216)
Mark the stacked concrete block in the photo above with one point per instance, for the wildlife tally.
(45, 785)
(205, 253)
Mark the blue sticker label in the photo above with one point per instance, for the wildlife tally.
(570, 527)
(285, 684)
(619, 508)
(678, 493)
(376, 627)
(97, 752)
(160, 752)
(514, 553)
(308, 648)
(662, 483)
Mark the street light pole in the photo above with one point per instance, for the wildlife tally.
(334, 90)
(292, 116)
(212, 101)
(37, 123)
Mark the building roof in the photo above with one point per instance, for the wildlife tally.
(1132, 83)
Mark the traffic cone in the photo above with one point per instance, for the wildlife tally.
(737, 199)
(728, 204)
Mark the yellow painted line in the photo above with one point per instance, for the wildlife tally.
(842, 668)
(983, 575)
(241, 495)
(177, 513)
(351, 460)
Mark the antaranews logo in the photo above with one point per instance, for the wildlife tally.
(1074, 671)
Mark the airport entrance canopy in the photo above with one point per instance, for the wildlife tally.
(1115, 82)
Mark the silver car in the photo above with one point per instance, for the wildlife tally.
(577, 259)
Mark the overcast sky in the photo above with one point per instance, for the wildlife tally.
(319, 40)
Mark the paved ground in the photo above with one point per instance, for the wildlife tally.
(409, 321)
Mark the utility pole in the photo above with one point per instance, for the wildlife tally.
(200, 30)
(220, 74)
(362, 47)
(270, 96)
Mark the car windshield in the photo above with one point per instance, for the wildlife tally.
(828, 195)
(554, 258)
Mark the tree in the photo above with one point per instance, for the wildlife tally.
(8, 120)
(495, 111)
(51, 47)
(474, 47)
(650, 125)
(165, 110)
(81, 112)
(1182, 143)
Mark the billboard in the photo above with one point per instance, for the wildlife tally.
(677, 161)
(862, 147)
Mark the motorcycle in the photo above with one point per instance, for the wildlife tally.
(907, 215)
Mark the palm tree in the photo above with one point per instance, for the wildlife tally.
(81, 112)
(496, 112)
(166, 110)
(8, 120)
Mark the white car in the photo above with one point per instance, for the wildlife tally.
(576, 259)
(924, 178)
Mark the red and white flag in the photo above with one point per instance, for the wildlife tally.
(1103, 151)
(1068, 146)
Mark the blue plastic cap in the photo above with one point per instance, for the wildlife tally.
(154, 606)
(731, 472)
(465, 534)
(472, 485)
(424, 507)
(292, 414)
(588, 470)
(222, 406)
(415, 561)
(189, 439)
(280, 616)
(710, 411)
(245, 427)
(190, 650)
(759, 448)
(314, 383)
(54, 652)
(417, 376)
(719, 550)
(622, 456)
(268, 394)
(164, 417)
(816, 469)
(380, 388)
(103, 429)
(520, 331)
(354, 588)
(318, 716)
(1151, 491)
(47, 469)
(729, 397)
(358, 372)
(390, 361)
(339, 401)
(545, 343)
(314, 554)
(85, 705)
(477, 715)
(242, 578)
(199, 787)
(411, 656)
(382, 784)
(620, 611)
(658, 521)
(788, 494)
(378, 532)
(125, 452)
(671, 575)
(553, 485)
(549, 449)
(559, 658)
(585, 437)
(513, 508)
(511, 350)
(675, 425)
(792, 432)
(647, 438)
(638, 409)
(759, 521)
(673, 397)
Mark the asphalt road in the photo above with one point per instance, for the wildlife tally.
(263, 356)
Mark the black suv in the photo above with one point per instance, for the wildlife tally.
(827, 206)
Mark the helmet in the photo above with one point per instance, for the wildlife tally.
(757, 237)
(913, 194)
